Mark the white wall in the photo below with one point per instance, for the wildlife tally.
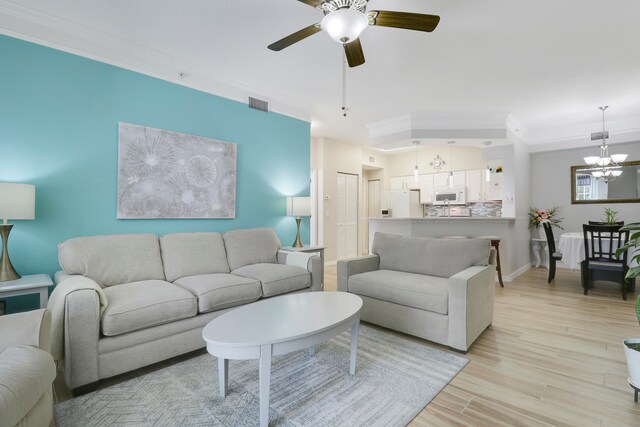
(551, 185)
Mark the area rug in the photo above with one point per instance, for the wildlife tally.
(396, 377)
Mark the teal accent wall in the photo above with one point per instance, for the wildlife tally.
(59, 117)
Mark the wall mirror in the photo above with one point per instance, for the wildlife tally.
(585, 188)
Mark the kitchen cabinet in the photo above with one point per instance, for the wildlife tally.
(442, 179)
(479, 189)
(404, 183)
(426, 189)
(476, 180)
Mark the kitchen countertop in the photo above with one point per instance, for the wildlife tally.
(447, 218)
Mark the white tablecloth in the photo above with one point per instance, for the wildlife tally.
(571, 246)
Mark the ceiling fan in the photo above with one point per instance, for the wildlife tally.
(344, 20)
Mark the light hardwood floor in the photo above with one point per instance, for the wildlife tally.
(552, 357)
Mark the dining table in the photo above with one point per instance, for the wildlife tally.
(571, 246)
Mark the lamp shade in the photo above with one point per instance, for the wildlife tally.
(17, 201)
(299, 206)
(344, 25)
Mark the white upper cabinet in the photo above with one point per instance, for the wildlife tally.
(475, 185)
(426, 189)
(405, 183)
(442, 179)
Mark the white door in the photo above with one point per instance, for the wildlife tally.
(347, 242)
(373, 207)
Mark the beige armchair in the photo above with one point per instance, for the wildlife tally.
(27, 369)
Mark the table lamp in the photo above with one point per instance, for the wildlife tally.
(298, 206)
(17, 201)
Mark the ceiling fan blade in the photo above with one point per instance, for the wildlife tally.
(295, 37)
(355, 55)
(312, 3)
(405, 20)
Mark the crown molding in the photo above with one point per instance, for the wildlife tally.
(27, 24)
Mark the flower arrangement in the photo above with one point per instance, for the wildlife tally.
(538, 216)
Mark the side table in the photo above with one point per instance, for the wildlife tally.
(539, 249)
(310, 249)
(34, 284)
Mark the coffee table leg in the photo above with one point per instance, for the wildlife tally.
(354, 346)
(265, 383)
(223, 376)
(312, 350)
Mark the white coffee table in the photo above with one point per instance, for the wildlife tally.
(277, 326)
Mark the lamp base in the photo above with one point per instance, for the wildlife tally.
(298, 243)
(7, 272)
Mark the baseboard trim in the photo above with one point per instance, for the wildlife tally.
(519, 272)
(329, 263)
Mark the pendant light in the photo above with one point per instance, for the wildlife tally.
(605, 166)
(451, 162)
(415, 169)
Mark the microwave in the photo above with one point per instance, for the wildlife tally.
(454, 195)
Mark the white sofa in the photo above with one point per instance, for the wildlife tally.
(161, 292)
(27, 370)
(438, 289)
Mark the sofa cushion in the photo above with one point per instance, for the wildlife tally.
(218, 291)
(250, 246)
(433, 257)
(139, 305)
(26, 374)
(276, 279)
(192, 254)
(410, 289)
(113, 259)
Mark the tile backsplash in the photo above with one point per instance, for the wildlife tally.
(491, 209)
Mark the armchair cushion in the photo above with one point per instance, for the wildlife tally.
(218, 291)
(409, 289)
(26, 374)
(276, 279)
(139, 305)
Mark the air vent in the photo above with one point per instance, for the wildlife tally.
(258, 104)
(596, 136)
(372, 159)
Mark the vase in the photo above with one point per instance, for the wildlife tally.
(541, 232)
(633, 361)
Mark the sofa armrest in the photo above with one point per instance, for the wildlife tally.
(349, 267)
(313, 265)
(29, 328)
(81, 334)
(471, 296)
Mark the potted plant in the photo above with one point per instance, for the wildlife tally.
(610, 216)
(538, 216)
(632, 345)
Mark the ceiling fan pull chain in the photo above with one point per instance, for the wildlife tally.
(344, 86)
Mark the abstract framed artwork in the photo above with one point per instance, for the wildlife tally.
(164, 174)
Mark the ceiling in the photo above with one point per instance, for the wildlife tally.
(545, 65)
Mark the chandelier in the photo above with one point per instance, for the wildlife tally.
(605, 166)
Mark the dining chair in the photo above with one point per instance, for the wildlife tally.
(600, 262)
(553, 255)
(620, 223)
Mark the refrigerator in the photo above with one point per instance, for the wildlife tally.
(406, 204)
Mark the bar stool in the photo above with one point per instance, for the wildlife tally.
(495, 242)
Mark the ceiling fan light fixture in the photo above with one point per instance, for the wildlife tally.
(344, 25)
